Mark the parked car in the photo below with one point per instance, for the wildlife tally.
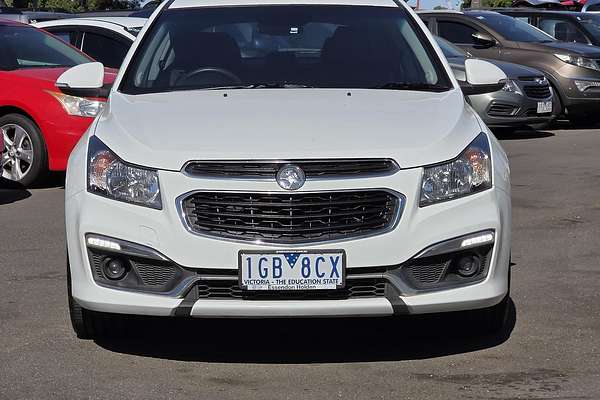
(40, 124)
(571, 68)
(591, 6)
(105, 39)
(525, 99)
(307, 178)
(566, 26)
(31, 16)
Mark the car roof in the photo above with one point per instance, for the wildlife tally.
(535, 10)
(217, 3)
(124, 22)
(8, 22)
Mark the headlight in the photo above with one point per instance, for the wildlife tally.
(511, 87)
(110, 177)
(579, 61)
(78, 106)
(469, 173)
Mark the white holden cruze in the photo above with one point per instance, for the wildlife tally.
(286, 160)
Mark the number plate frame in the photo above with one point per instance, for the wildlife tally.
(324, 252)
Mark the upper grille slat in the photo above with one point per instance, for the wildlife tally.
(291, 217)
(312, 168)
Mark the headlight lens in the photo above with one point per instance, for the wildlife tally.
(110, 177)
(511, 87)
(469, 173)
(78, 106)
(579, 61)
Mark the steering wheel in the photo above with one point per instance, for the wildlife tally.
(235, 80)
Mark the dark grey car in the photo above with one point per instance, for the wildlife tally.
(573, 69)
(526, 99)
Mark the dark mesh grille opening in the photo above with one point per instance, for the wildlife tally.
(537, 91)
(291, 217)
(355, 288)
(441, 271)
(502, 110)
(143, 274)
(155, 275)
(312, 168)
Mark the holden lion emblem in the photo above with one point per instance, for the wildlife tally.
(291, 177)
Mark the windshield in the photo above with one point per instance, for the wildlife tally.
(284, 46)
(591, 23)
(450, 50)
(25, 47)
(512, 28)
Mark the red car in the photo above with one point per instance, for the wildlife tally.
(40, 125)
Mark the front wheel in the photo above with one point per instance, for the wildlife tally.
(24, 158)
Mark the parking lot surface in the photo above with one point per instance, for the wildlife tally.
(550, 350)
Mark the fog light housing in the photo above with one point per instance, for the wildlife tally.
(114, 269)
(468, 265)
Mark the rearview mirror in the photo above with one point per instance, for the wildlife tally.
(482, 77)
(483, 40)
(84, 80)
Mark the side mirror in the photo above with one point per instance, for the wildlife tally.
(482, 77)
(84, 80)
(483, 40)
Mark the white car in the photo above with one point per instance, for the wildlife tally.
(286, 160)
(105, 39)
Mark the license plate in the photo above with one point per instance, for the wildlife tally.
(544, 107)
(292, 270)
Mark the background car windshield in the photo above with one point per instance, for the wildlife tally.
(316, 46)
(25, 47)
(450, 50)
(591, 23)
(512, 28)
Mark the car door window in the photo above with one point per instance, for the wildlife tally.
(456, 32)
(66, 35)
(563, 30)
(104, 49)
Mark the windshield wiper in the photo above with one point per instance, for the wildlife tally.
(273, 85)
(425, 87)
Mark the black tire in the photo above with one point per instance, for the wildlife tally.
(492, 320)
(80, 317)
(88, 324)
(38, 169)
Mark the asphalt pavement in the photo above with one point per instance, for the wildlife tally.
(549, 350)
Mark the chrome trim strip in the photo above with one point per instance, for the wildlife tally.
(400, 210)
(395, 168)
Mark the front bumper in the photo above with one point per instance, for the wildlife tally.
(502, 109)
(163, 231)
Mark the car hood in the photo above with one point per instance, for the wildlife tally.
(167, 130)
(50, 75)
(563, 48)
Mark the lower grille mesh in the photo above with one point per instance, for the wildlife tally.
(359, 288)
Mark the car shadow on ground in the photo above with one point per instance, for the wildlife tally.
(292, 341)
(11, 192)
(521, 134)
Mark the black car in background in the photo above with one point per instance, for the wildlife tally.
(525, 100)
(566, 26)
(573, 69)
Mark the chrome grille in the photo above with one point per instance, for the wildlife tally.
(312, 168)
(291, 217)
